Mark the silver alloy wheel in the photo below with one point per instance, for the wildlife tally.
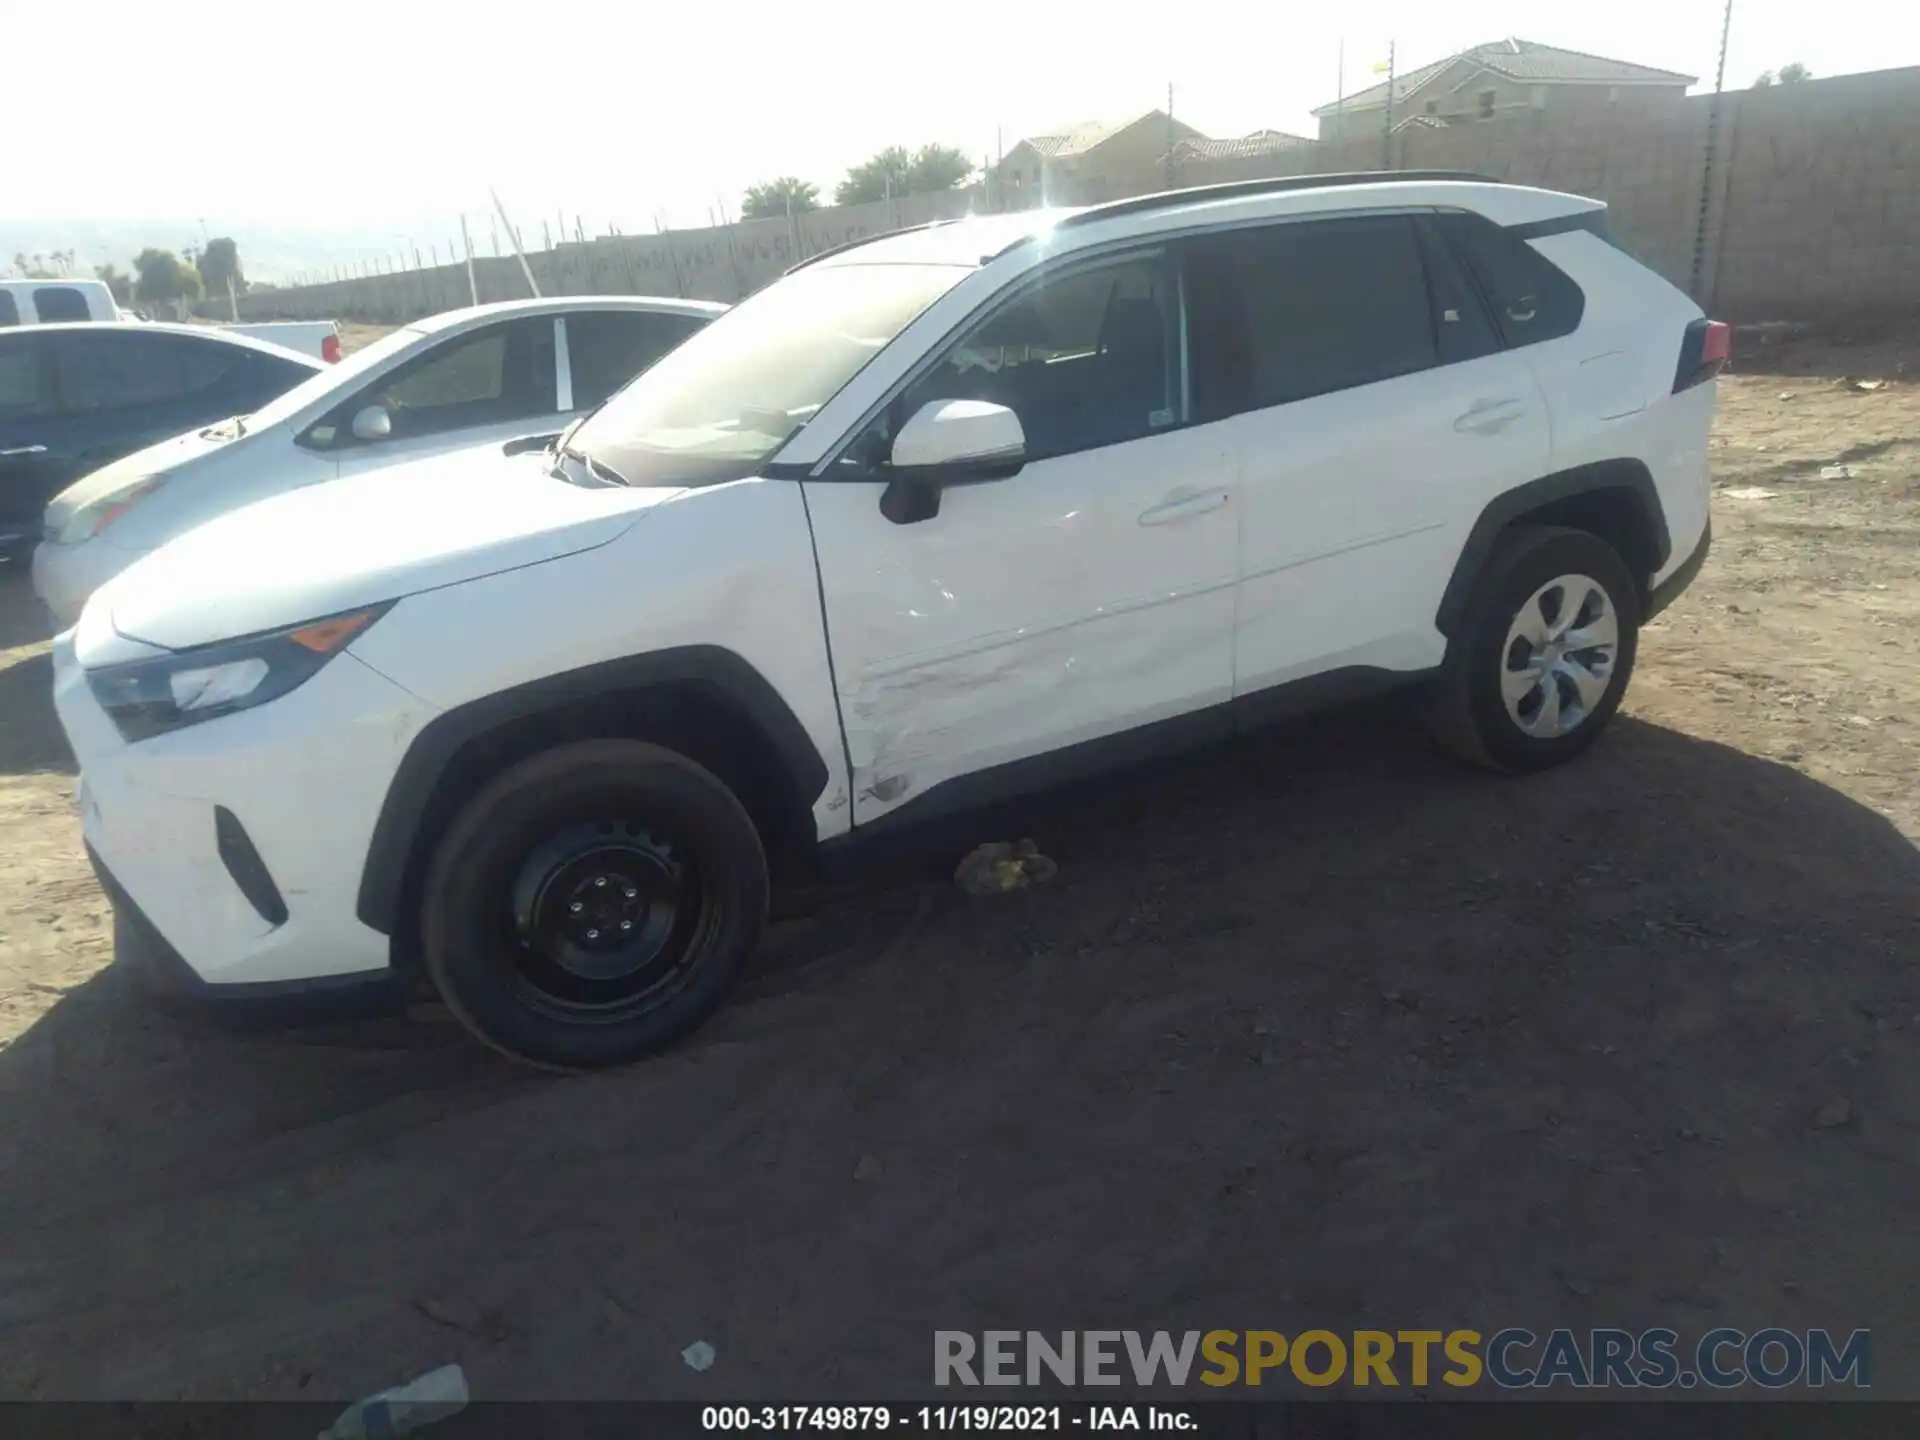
(1559, 657)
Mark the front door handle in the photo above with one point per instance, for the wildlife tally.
(1185, 505)
(23, 450)
(1489, 417)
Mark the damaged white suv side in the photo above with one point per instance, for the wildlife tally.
(937, 517)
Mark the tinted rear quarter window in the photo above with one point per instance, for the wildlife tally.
(24, 391)
(114, 370)
(1531, 298)
(59, 303)
(1290, 311)
(9, 311)
(607, 348)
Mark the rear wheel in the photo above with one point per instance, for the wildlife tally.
(593, 904)
(1545, 652)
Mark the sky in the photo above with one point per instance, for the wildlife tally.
(390, 119)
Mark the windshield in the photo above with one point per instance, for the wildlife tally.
(334, 377)
(717, 407)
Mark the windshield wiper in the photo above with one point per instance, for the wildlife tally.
(598, 469)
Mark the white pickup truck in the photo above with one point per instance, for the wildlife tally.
(319, 338)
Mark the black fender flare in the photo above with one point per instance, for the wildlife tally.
(1628, 476)
(383, 875)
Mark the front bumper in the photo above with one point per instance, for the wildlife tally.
(182, 827)
(156, 967)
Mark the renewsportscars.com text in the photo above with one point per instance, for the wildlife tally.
(1513, 1358)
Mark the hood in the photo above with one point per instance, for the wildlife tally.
(130, 470)
(376, 536)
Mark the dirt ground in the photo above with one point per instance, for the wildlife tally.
(1317, 1031)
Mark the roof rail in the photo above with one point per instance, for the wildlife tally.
(841, 249)
(1235, 189)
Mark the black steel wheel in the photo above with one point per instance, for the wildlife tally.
(593, 903)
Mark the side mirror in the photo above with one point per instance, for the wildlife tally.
(372, 423)
(950, 442)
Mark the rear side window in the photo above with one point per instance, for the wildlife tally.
(1287, 312)
(1532, 299)
(607, 348)
(9, 312)
(114, 370)
(58, 303)
(24, 391)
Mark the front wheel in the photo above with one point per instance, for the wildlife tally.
(593, 904)
(1543, 657)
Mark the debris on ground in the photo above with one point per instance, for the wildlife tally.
(403, 1409)
(699, 1355)
(1001, 865)
(1748, 492)
(1867, 385)
(1832, 1115)
(1836, 472)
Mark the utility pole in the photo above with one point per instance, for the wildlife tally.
(1699, 272)
(518, 249)
(1386, 138)
(466, 243)
(1340, 93)
(1169, 135)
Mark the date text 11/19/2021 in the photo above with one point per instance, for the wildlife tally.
(750, 1419)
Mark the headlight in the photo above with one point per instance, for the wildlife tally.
(89, 520)
(151, 697)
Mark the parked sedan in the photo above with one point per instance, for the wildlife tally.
(479, 376)
(75, 397)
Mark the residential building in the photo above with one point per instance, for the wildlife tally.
(1505, 77)
(1087, 162)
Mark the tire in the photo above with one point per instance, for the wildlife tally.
(593, 904)
(1485, 712)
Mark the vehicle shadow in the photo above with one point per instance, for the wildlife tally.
(31, 739)
(23, 620)
(1317, 1029)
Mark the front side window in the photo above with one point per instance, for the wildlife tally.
(501, 373)
(607, 348)
(1086, 358)
(57, 303)
(719, 406)
(1286, 312)
(9, 311)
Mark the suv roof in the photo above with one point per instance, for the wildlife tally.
(977, 239)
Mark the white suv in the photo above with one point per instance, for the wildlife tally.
(948, 514)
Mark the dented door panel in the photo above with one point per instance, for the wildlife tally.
(1086, 595)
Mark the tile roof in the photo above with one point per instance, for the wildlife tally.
(1080, 138)
(1521, 60)
(1260, 142)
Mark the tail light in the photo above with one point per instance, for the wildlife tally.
(1704, 352)
(330, 349)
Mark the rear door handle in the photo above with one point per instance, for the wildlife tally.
(23, 450)
(1185, 505)
(1489, 417)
